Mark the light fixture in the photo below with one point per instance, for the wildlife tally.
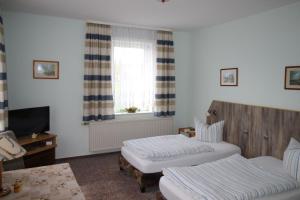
(164, 1)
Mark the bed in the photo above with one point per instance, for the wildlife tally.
(221, 150)
(175, 191)
(256, 130)
(262, 133)
(148, 172)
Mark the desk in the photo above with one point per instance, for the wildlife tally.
(53, 182)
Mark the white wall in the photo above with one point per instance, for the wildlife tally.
(183, 74)
(31, 37)
(260, 46)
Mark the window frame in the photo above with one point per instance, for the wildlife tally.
(144, 112)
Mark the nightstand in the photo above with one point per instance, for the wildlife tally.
(187, 131)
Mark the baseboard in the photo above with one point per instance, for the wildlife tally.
(106, 152)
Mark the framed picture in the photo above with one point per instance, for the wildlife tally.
(229, 77)
(43, 69)
(292, 78)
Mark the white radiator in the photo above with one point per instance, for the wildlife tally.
(108, 135)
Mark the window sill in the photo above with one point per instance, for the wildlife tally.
(130, 117)
(137, 113)
(134, 116)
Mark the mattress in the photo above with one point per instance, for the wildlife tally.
(173, 192)
(221, 150)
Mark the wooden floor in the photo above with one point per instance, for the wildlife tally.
(100, 179)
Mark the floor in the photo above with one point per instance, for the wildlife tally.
(100, 179)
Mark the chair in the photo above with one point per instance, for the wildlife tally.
(16, 163)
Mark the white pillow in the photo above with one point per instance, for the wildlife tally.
(291, 159)
(206, 133)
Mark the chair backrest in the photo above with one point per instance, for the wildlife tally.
(16, 163)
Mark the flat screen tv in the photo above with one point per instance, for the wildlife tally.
(29, 120)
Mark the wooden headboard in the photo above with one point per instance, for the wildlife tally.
(258, 131)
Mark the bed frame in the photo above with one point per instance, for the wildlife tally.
(144, 180)
(257, 130)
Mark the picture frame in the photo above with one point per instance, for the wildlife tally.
(229, 77)
(292, 78)
(45, 69)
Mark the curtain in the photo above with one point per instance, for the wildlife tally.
(98, 100)
(133, 63)
(3, 84)
(165, 78)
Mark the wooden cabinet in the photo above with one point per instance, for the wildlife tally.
(40, 150)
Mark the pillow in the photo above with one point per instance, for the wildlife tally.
(206, 133)
(291, 159)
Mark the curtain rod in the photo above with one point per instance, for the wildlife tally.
(128, 25)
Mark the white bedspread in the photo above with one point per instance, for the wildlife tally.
(166, 147)
(234, 177)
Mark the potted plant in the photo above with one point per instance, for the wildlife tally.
(131, 109)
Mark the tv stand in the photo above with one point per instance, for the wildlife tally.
(38, 152)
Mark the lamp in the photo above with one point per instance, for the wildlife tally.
(9, 150)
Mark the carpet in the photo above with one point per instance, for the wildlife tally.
(100, 179)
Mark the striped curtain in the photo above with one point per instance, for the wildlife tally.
(3, 84)
(165, 78)
(98, 99)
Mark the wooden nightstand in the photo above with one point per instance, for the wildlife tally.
(187, 131)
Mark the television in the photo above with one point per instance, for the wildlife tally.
(29, 120)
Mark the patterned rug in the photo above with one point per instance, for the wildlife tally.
(100, 179)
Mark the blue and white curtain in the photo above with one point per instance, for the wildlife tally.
(165, 79)
(3, 83)
(98, 99)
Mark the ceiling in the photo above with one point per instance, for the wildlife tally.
(176, 14)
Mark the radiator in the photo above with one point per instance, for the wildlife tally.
(108, 135)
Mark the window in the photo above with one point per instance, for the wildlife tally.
(133, 69)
